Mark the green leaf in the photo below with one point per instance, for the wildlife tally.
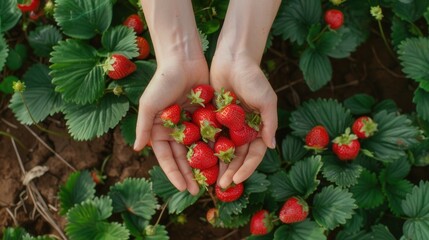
(94, 120)
(360, 104)
(410, 11)
(135, 196)
(399, 31)
(134, 84)
(16, 57)
(83, 19)
(355, 223)
(78, 188)
(293, 149)
(90, 211)
(76, 72)
(159, 232)
(343, 235)
(281, 186)
(120, 40)
(135, 224)
(300, 231)
(13, 233)
(337, 44)
(271, 162)
(256, 183)
(181, 200)
(344, 174)
(420, 153)
(316, 67)
(43, 39)
(39, 98)
(396, 192)
(303, 175)
(161, 185)
(397, 170)
(325, 112)
(416, 208)
(421, 99)
(210, 26)
(294, 19)
(99, 230)
(4, 51)
(9, 15)
(414, 58)
(128, 128)
(227, 209)
(234, 221)
(367, 191)
(7, 83)
(380, 231)
(333, 206)
(388, 105)
(395, 134)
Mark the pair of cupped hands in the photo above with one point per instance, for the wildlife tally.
(171, 84)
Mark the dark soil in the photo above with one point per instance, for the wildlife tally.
(369, 70)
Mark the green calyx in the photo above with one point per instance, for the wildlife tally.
(200, 178)
(195, 98)
(303, 204)
(178, 133)
(223, 99)
(345, 138)
(208, 131)
(226, 156)
(369, 127)
(254, 120)
(150, 230)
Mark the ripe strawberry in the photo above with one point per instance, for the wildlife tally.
(186, 133)
(294, 210)
(317, 138)
(205, 119)
(134, 22)
(118, 66)
(28, 7)
(231, 116)
(242, 136)
(212, 215)
(224, 98)
(171, 115)
(201, 94)
(144, 48)
(224, 149)
(334, 18)
(208, 176)
(364, 127)
(230, 194)
(261, 223)
(346, 146)
(201, 156)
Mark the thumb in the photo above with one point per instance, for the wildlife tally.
(144, 126)
(270, 123)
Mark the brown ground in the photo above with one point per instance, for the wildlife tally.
(361, 73)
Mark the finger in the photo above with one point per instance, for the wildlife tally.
(145, 120)
(222, 168)
(233, 167)
(270, 123)
(254, 157)
(179, 153)
(166, 161)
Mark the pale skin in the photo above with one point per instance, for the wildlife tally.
(181, 64)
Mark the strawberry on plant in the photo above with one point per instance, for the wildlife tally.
(231, 116)
(261, 223)
(201, 156)
(144, 48)
(317, 138)
(134, 22)
(205, 119)
(186, 133)
(242, 136)
(295, 209)
(201, 94)
(118, 66)
(206, 177)
(97, 177)
(231, 193)
(212, 215)
(334, 18)
(346, 146)
(29, 5)
(171, 115)
(364, 127)
(224, 149)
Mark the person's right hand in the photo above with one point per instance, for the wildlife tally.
(170, 84)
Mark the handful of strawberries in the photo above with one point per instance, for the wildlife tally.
(211, 133)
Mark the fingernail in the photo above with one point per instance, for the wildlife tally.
(273, 144)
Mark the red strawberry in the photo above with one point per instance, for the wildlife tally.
(208, 176)
(186, 133)
(212, 215)
(144, 48)
(261, 223)
(294, 210)
(201, 156)
(317, 138)
(205, 119)
(230, 194)
(346, 146)
(135, 22)
(334, 18)
(232, 116)
(118, 66)
(29, 6)
(364, 127)
(242, 136)
(171, 115)
(97, 177)
(224, 98)
(224, 149)
(201, 94)
(185, 116)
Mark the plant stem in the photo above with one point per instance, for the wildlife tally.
(12, 137)
(162, 212)
(380, 26)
